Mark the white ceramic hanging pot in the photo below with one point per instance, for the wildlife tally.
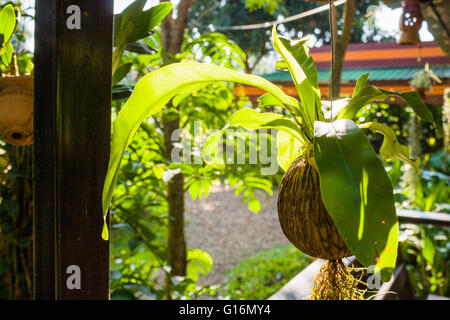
(16, 110)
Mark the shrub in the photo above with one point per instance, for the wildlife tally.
(261, 275)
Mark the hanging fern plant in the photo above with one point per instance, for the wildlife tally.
(335, 199)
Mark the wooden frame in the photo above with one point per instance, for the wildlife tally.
(72, 126)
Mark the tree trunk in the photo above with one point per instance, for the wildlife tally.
(172, 38)
(175, 198)
(340, 46)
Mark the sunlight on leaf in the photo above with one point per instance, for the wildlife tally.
(370, 94)
(391, 148)
(199, 263)
(7, 26)
(356, 188)
(289, 149)
(305, 80)
(251, 120)
(154, 91)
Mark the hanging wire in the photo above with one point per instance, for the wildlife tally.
(330, 3)
(285, 20)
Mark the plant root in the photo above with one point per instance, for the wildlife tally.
(335, 282)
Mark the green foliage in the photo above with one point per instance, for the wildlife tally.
(216, 47)
(8, 24)
(256, 43)
(396, 117)
(16, 223)
(139, 217)
(289, 149)
(367, 94)
(133, 24)
(362, 173)
(153, 92)
(356, 188)
(261, 275)
(251, 119)
(431, 192)
(437, 160)
(139, 223)
(304, 75)
(391, 148)
(424, 79)
(267, 5)
(426, 251)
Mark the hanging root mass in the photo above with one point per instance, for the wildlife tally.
(336, 282)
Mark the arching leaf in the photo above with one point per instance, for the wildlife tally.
(289, 149)
(251, 119)
(357, 193)
(267, 100)
(7, 26)
(391, 148)
(370, 94)
(125, 22)
(304, 75)
(154, 91)
(360, 84)
(148, 20)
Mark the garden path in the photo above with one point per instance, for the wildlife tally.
(222, 225)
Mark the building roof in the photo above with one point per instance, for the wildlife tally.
(383, 54)
(390, 67)
(376, 74)
(385, 61)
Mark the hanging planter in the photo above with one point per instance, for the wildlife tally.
(303, 216)
(410, 22)
(16, 109)
(423, 80)
(335, 198)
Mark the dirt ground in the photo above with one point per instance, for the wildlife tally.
(222, 225)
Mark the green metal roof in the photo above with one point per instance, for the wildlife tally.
(376, 74)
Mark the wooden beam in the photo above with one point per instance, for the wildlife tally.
(44, 151)
(73, 61)
(414, 216)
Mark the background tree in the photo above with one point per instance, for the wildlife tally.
(206, 16)
(172, 35)
(340, 44)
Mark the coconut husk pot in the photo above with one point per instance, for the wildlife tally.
(303, 216)
(16, 110)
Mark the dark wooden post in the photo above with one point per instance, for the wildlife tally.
(73, 62)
